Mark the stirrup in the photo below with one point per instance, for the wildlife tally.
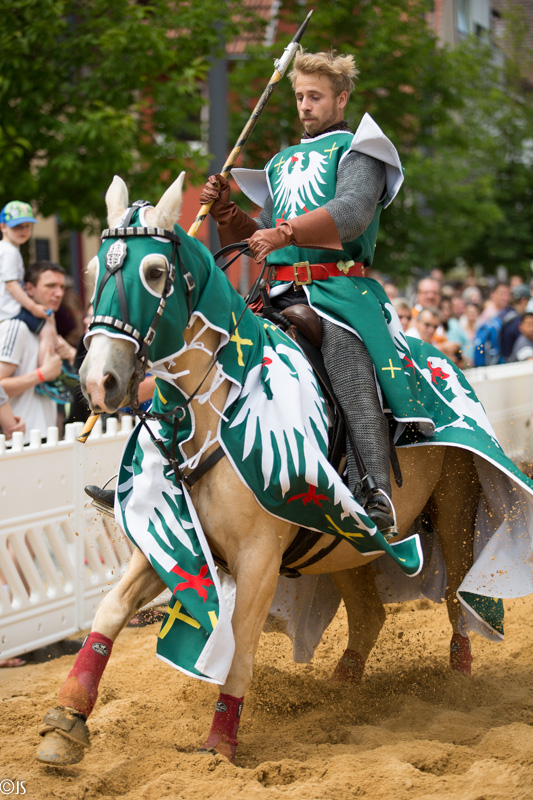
(392, 530)
(101, 498)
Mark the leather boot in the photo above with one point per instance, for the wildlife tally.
(102, 499)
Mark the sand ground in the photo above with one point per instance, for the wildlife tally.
(412, 730)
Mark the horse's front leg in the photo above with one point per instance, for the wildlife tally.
(65, 733)
(255, 569)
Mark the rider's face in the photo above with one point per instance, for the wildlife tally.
(318, 107)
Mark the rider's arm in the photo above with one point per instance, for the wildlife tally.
(360, 187)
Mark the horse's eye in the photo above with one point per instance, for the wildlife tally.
(155, 273)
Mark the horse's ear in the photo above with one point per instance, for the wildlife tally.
(167, 211)
(116, 199)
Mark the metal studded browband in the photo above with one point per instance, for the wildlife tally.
(119, 325)
(118, 233)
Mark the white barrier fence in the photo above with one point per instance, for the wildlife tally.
(506, 391)
(58, 556)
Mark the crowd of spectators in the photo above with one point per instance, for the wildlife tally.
(41, 327)
(474, 324)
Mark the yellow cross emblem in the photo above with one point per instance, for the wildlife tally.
(239, 342)
(280, 162)
(160, 394)
(344, 533)
(174, 613)
(331, 149)
(391, 368)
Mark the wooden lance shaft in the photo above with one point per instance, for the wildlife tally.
(279, 71)
(87, 428)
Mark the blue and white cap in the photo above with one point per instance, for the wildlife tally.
(15, 213)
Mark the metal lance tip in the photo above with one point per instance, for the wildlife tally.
(300, 32)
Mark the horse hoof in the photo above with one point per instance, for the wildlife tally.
(56, 751)
(460, 654)
(350, 668)
(220, 747)
(65, 737)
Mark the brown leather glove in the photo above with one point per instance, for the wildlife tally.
(216, 190)
(233, 224)
(315, 229)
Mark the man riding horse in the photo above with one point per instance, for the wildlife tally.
(317, 231)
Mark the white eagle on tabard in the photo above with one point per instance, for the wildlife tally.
(297, 187)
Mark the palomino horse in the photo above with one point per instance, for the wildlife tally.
(250, 540)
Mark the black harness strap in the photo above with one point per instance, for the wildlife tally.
(212, 459)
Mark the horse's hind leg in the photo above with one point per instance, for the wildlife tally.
(366, 615)
(453, 512)
(422, 469)
(65, 734)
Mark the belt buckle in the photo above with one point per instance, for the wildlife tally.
(295, 267)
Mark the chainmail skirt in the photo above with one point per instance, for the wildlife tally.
(351, 373)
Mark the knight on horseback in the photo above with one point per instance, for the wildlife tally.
(322, 200)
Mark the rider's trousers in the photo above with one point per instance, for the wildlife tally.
(351, 373)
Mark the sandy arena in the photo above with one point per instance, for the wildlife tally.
(412, 730)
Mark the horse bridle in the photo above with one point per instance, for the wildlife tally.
(114, 261)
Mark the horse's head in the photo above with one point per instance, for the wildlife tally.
(133, 275)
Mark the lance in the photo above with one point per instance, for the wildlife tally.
(280, 67)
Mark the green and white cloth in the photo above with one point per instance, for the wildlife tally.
(273, 429)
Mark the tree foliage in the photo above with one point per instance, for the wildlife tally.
(458, 119)
(89, 88)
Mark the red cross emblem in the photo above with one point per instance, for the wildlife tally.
(436, 372)
(197, 582)
(309, 497)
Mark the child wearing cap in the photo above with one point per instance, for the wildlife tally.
(16, 219)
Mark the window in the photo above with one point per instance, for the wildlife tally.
(462, 16)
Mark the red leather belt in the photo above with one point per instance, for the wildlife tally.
(303, 273)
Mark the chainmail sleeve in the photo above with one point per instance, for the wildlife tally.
(360, 187)
(264, 220)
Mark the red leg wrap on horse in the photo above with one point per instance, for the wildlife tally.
(350, 667)
(80, 690)
(223, 734)
(460, 654)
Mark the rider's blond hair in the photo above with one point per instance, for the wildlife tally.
(341, 70)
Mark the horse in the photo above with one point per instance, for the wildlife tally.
(250, 540)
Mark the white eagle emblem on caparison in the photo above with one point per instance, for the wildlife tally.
(298, 187)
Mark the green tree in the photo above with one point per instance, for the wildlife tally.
(93, 88)
(510, 241)
(447, 110)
